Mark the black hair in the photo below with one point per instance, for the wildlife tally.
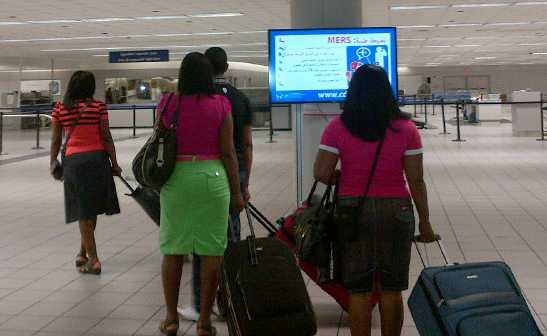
(196, 75)
(370, 105)
(218, 58)
(80, 87)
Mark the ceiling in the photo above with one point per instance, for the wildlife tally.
(80, 33)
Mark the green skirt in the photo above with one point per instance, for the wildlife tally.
(195, 204)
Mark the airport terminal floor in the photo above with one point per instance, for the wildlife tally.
(487, 197)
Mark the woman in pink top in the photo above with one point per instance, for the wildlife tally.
(196, 199)
(377, 145)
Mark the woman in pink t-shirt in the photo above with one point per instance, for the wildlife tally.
(195, 200)
(377, 146)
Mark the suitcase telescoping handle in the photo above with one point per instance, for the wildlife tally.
(262, 220)
(251, 239)
(438, 241)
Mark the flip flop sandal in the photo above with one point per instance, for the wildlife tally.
(209, 330)
(169, 328)
(89, 268)
(81, 260)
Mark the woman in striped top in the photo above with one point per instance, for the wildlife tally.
(89, 163)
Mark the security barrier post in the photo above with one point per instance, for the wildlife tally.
(541, 113)
(134, 121)
(459, 139)
(444, 117)
(2, 134)
(38, 126)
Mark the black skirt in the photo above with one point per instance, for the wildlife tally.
(89, 187)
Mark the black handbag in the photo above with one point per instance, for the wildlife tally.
(349, 250)
(58, 171)
(312, 232)
(155, 162)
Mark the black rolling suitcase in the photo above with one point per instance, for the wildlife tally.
(263, 290)
(472, 299)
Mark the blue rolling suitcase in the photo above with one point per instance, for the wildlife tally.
(474, 299)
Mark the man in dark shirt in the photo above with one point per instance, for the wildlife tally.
(243, 141)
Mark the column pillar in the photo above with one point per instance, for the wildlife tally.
(326, 13)
(317, 14)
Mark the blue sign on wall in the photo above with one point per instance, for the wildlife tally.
(139, 56)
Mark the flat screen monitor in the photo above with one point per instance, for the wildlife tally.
(316, 65)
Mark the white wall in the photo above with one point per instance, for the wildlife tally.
(503, 79)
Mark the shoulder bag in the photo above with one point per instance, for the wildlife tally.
(312, 231)
(58, 171)
(349, 249)
(155, 162)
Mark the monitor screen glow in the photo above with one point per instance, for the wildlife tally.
(316, 65)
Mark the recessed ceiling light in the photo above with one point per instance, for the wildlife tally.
(456, 25)
(478, 5)
(53, 21)
(253, 32)
(485, 58)
(478, 38)
(531, 3)
(249, 51)
(213, 15)
(100, 55)
(433, 64)
(467, 45)
(165, 17)
(415, 27)
(539, 53)
(533, 44)
(396, 8)
(108, 19)
(507, 23)
(10, 23)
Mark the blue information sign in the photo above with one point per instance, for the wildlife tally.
(139, 56)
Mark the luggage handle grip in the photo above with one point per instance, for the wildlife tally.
(438, 240)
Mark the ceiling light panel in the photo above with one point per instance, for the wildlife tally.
(481, 5)
(398, 8)
(531, 3)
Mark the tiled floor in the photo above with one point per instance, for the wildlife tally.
(488, 199)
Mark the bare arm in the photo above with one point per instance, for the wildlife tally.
(229, 158)
(56, 139)
(108, 142)
(325, 167)
(414, 172)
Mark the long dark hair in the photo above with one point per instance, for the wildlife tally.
(80, 87)
(196, 75)
(370, 105)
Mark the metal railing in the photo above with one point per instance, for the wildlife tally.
(461, 105)
(44, 111)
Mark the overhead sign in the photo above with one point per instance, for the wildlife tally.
(139, 56)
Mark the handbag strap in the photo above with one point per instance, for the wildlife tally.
(372, 171)
(74, 125)
(164, 109)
